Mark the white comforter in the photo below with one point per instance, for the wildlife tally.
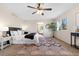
(19, 39)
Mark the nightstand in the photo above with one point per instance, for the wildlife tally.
(4, 42)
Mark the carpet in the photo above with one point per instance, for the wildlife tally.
(47, 47)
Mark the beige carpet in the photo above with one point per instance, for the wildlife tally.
(50, 47)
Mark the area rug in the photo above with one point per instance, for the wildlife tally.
(47, 47)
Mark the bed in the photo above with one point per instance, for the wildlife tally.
(21, 38)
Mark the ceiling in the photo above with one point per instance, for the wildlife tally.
(21, 10)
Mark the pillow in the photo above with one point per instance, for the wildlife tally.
(20, 32)
(25, 32)
(14, 33)
(11, 33)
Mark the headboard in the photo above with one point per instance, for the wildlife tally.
(13, 29)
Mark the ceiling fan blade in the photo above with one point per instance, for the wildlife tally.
(34, 12)
(49, 9)
(31, 7)
(38, 5)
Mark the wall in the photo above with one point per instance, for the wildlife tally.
(32, 24)
(71, 27)
(7, 19)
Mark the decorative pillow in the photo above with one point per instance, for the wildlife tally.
(14, 33)
(25, 32)
(20, 32)
(11, 33)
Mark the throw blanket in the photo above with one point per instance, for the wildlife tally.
(30, 36)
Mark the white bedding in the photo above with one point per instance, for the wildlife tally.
(20, 39)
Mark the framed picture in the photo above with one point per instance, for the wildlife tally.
(64, 23)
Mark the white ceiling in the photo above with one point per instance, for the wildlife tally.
(25, 13)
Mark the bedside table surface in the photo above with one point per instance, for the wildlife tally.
(4, 38)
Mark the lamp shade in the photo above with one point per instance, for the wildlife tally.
(4, 28)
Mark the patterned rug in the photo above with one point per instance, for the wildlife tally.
(47, 47)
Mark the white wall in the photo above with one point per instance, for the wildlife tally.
(32, 24)
(8, 19)
(71, 27)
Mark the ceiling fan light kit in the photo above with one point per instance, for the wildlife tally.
(40, 11)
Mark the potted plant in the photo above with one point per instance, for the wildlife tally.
(52, 27)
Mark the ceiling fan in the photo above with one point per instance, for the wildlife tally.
(40, 9)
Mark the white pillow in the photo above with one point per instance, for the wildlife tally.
(14, 33)
(11, 33)
(20, 32)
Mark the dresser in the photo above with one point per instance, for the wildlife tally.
(5, 42)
